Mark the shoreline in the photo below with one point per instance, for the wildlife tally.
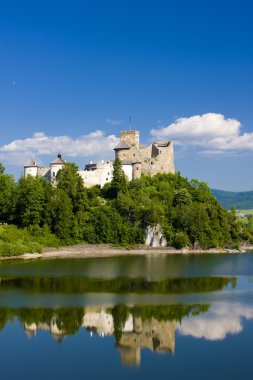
(104, 250)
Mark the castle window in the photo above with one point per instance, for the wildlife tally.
(106, 179)
(152, 162)
(134, 154)
(53, 174)
(108, 173)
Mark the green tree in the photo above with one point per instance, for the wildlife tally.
(181, 240)
(119, 179)
(30, 201)
(182, 197)
(2, 168)
(200, 191)
(7, 186)
(61, 217)
(71, 183)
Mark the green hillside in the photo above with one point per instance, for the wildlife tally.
(242, 200)
(34, 211)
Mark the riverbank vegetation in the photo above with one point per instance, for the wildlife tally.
(119, 213)
(15, 241)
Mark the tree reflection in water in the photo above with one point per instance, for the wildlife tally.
(134, 327)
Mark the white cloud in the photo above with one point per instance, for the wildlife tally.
(210, 132)
(221, 320)
(114, 122)
(94, 144)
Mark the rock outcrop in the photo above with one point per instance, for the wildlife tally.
(155, 237)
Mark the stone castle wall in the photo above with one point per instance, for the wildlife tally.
(129, 155)
(157, 159)
(151, 160)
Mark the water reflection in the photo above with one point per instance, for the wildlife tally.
(190, 310)
(221, 320)
(135, 327)
(119, 285)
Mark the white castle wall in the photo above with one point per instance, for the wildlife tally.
(128, 170)
(99, 176)
(31, 170)
(54, 168)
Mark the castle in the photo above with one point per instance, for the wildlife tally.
(156, 158)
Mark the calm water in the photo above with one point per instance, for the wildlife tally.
(175, 317)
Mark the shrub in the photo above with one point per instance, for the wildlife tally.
(181, 240)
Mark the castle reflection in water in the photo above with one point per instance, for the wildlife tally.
(135, 335)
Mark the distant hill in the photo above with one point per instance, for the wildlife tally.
(242, 200)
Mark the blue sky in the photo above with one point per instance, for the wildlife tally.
(72, 72)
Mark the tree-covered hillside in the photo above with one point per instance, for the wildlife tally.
(241, 200)
(120, 212)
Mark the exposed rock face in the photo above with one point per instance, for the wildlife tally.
(155, 237)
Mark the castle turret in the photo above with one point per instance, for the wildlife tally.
(31, 168)
(55, 166)
(128, 152)
(121, 150)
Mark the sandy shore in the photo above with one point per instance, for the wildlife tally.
(104, 250)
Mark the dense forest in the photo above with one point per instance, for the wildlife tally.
(39, 214)
(241, 200)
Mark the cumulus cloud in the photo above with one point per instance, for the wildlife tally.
(221, 320)
(211, 132)
(95, 144)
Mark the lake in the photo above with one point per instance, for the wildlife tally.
(176, 317)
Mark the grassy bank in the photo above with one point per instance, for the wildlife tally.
(16, 241)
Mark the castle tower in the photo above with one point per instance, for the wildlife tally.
(132, 138)
(121, 150)
(55, 166)
(128, 152)
(31, 168)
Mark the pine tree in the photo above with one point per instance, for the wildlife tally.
(119, 179)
